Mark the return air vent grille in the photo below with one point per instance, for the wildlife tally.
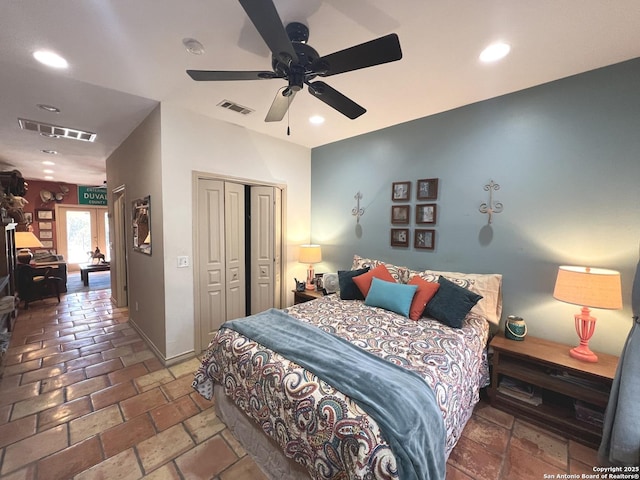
(229, 105)
(57, 131)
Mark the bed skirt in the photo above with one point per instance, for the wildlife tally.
(265, 452)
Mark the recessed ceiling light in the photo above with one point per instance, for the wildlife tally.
(49, 108)
(316, 120)
(48, 177)
(49, 152)
(48, 162)
(50, 59)
(46, 170)
(49, 135)
(193, 46)
(494, 52)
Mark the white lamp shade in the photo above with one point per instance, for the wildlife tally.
(589, 287)
(27, 240)
(310, 254)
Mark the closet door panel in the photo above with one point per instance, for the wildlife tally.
(212, 258)
(234, 250)
(262, 246)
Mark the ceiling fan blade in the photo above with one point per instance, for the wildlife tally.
(280, 105)
(265, 18)
(221, 76)
(375, 52)
(336, 100)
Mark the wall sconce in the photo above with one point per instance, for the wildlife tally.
(587, 287)
(357, 211)
(491, 207)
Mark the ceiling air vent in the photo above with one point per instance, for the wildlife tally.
(235, 107)
(56, 131)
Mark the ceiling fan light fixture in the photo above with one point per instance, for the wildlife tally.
(494, 52)
(193, 46)
(50, 59)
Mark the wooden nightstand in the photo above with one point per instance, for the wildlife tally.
(301, 297)
(567, 391)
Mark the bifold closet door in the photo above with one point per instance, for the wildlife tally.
(234, 217)
(211, 255)
(263, 259)
(221, 238)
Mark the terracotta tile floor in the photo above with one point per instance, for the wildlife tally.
(83, 397)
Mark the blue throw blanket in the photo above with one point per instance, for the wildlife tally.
(399, 400)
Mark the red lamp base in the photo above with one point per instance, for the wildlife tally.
(310, 278)
(583, 353)
(585, 326)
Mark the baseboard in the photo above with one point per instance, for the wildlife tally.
(167, 362)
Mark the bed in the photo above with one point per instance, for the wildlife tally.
(297, 425)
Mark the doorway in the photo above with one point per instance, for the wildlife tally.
(80, 230)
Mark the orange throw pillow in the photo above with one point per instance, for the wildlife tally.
(424, 293)
(363, 281)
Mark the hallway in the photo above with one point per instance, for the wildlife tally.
(83, 397)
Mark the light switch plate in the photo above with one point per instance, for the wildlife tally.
(183, 261)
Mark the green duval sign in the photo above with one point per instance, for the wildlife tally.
(92, 196)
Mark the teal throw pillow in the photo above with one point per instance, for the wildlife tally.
(451, 303)
(395, 297)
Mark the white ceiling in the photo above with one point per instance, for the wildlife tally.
(127, 55)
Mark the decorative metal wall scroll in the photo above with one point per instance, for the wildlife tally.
(491, 207)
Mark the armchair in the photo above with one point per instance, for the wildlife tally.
(35, 284)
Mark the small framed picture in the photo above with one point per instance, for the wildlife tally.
(399, 237)
(45, 225)
(424, 239)
(28, 217)
(318, 282)
(426, 213)
(401, 191)
(45, 214)
(46, 243)
(427, 189)
(46, 234)
(400, 214)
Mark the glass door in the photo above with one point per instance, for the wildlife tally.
(81, 230)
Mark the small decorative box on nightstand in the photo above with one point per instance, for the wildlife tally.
(537, 380)
(301, 297)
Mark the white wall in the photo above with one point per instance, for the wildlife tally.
(192, 142)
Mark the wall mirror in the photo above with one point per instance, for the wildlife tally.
(142, 225)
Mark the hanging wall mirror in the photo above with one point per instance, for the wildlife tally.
(142, 225)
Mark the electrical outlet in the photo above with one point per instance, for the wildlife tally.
(183, 261)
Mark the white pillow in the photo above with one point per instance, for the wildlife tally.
(399, 274)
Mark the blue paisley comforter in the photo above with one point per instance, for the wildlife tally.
(320, 427)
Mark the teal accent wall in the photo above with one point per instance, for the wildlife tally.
(567, 158)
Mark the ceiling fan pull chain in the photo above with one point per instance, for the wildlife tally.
(289, 108)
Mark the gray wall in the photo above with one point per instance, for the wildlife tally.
(567, 157)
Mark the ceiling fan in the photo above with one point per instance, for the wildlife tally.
(298, 63)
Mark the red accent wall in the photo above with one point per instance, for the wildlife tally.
(37, 199)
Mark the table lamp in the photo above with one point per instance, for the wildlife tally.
(25, 241)
(310, 254)
(588, 287)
